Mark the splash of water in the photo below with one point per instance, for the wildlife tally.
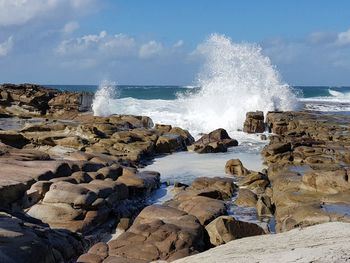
(235, 79)
(104, 99)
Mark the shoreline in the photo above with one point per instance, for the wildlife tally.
(83, 176)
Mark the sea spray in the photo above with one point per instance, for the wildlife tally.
(235, 79)
(104, 98)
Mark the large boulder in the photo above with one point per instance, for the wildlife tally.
(159, 232)
(22, 241)
(225, 228)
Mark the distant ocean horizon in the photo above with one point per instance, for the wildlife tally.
(170, 92)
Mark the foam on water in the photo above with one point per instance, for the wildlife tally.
(234, 79)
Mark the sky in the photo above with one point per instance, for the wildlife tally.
(153, 41)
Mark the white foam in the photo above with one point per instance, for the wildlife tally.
(105, 98)
(235, 79)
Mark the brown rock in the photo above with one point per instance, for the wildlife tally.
(254, 122)
(225, 228)
(235, 167)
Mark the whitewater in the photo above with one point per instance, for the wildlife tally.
(234, 79)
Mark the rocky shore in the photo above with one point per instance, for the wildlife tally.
(69, 180)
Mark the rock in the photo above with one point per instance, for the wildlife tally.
(168, 143)
(323, 243)
(159, 232)
(215, 141)
(144, 181)
(100, 249)
(162, 128)
(25, 173)
(38, 243)
(246, 198)
(330, 182)
(13, 139)
(254, 122)
(214, 147)
(235, 167)
(54, 213)
(225, 228)
(89, 258)
(204, 208)
(224, 186)
(264, 206)
(186, 136)
(63, 192)
(113, 171)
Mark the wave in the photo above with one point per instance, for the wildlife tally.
(235, 78)
(334, 93)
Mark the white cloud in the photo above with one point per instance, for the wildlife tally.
(70, 27)
(100, 45)
(6, 47)
(19, 12)
(178, 44)
(344, 38)
(150, 49)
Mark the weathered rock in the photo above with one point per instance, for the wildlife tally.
(63, 192)
(235, 167)
(224, 186)
(215, 141)
(254, 122)
(29, 242)
(204, 208)
(113, 171)
(159, 232)
(140, 182)
(264, 206)
(168, 143)
(329, 182)
(225, 228)
(186, 136)
(246, 198)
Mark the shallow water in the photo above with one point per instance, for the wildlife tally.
(184, 167)
(342, 209)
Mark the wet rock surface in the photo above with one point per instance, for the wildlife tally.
(216, 141)
(308, 160)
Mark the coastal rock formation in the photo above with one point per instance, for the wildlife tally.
(34, 100)
(322, 243)
(178, 228)
(225, 228)
(23, 240)
(215, 141)
(308, 168)
(254, 122)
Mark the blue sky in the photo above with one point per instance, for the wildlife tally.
(151, 42)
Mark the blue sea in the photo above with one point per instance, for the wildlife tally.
(170, 92)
